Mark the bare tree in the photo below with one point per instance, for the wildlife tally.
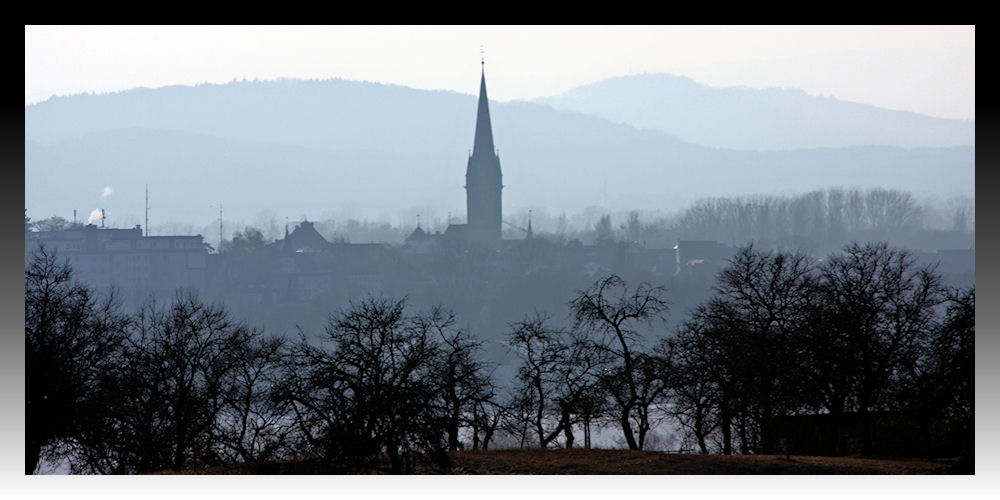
(768, 297)
(488, 415)
(72, 343)
(465, 384)
(879, 305)
(561, 376)
(611, 312)
(375, 393)
(254, 426)
(738, 360)
(953, 352)
(695, 382)
(536, 344)
(709, 345)
(580, 395)
(177, 376)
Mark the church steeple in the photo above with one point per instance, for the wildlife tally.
(483, 178)
(483, 144)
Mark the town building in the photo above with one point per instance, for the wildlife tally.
(125, 259)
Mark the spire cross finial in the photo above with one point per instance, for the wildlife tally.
(482, 55)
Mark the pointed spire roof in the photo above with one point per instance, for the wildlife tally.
(285, 245)
(484, 131)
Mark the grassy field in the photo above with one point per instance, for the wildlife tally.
(580, 461)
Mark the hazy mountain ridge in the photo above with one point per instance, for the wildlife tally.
(388, 152)
(295, 112)
(753, 119)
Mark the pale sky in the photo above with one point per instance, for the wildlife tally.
(925, 69)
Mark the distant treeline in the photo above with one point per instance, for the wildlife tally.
(820, 219)
(817, 221)
(184, 385)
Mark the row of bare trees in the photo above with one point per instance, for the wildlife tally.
(865, 330)
(817, 219)
(168, 387)
(183, 385)
(861, 331)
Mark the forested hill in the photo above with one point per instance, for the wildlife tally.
(383, 151)
(764, 119)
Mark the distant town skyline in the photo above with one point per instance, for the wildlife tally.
(923, 69)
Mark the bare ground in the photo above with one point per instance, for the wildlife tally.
(580, 461)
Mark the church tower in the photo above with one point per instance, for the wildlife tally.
(483, 178)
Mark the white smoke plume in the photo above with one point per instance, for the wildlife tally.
(107, 192)
(94, 216)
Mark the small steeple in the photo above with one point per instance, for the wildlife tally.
(530, 234)
(284, 243)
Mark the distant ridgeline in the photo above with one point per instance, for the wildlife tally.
(308, 147)
(757, 119)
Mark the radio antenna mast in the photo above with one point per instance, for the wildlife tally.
(147, 210)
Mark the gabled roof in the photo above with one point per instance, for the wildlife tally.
(305, 238)
(418, 234)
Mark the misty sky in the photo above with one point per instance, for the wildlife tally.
(924, 69)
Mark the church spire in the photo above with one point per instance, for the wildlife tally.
(483, 179)
(483, 144)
